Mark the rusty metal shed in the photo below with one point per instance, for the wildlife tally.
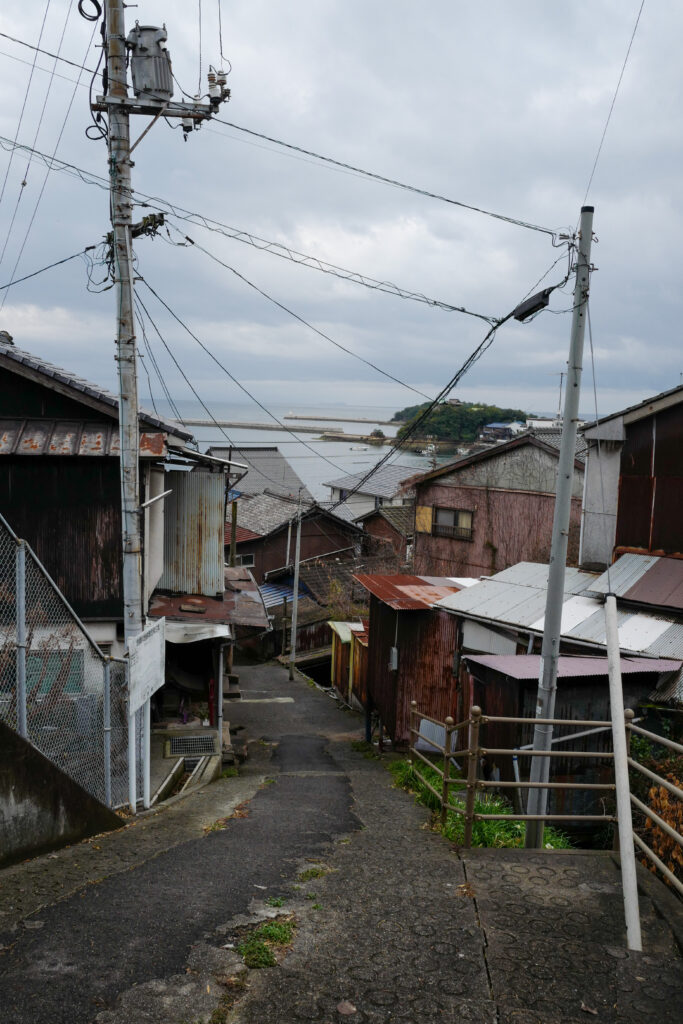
(401, 616)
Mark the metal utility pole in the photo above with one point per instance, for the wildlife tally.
(547, 686)
(295, 601)
(153, 88)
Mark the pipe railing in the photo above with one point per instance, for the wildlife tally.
(473, 782)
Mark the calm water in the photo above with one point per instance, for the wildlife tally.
(314, 461)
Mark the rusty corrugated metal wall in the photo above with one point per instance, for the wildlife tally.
(426, 645)
(651, 485)
(193, 533)
(360, 670)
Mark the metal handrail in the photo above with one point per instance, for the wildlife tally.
(659, 740)
(473, 783)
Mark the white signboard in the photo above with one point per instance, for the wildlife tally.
(146, 657)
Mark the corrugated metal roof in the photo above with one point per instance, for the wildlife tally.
(268, 470)
(407, 593)
(71, 437)
(644, 579)
(385, 483)
(78, 385)
(275, 593)
(535, 574)
(621, 576)
(194, 533)
(527, 666)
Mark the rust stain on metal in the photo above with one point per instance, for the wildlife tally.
(153, 444)
(407, 593)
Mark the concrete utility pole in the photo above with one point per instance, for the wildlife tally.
(295, 600)
(122, 246)
(537, 801)
(153, 88)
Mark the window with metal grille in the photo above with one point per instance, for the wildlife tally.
(452, 522)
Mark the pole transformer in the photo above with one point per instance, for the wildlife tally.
(153, 91)
(537, 801)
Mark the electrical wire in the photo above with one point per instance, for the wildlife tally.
(614, 100)
(23, 105)
(35, 137)
(153, 360)
(46, 53)
(306, 323)
(227, 372)
(42, 270)
(262, 244)
(54, 152)
(388, 181)
(312, 262)
(20, 60)
(199, 6)
(192, 388)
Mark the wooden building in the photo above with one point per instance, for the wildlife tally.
(410, 650)
(487, 511)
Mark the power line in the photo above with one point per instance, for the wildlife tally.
(46, 53)
(310, 326)
(37, 132)
(225, 370)
(42, 270)
(262, 244)
(388, 181)
(47, 172)
(23, 106)
(394, 182)
(614, 100)
(20, 60)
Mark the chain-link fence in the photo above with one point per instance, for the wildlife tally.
(57, 688)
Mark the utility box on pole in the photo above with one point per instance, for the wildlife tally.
(153, 88)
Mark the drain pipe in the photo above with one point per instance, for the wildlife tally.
(219, 716)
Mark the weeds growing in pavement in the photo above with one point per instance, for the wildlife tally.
(500, 833)
(275, 901)
(309, 873)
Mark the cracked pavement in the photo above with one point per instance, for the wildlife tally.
(138, 925)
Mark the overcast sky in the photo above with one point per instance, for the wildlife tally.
(500, 105)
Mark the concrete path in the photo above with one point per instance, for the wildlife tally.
(392, 924)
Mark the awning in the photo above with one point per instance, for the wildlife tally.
(191, 632)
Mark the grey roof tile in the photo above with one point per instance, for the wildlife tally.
(385, 483)
(268, 471)
(79, 384)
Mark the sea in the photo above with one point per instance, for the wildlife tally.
(316, 462)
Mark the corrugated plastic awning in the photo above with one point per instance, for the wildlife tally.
(407, 593)
(344, 630)
(527, 666)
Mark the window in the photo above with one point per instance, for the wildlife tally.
(245, 560)
(452, 522)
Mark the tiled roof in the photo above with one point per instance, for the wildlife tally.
(385, 483)
(401, 517)
(260, 514)
(84, 387)
(553, 437)
(268, 471)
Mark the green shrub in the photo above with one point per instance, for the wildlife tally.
(499, 833)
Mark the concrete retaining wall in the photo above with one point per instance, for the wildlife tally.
(41, 808)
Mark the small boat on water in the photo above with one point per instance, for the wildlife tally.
(429, 450)
(358, 448)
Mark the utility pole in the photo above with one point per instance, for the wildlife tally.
(153, 88)
(295, 601)
(122, 244)
(537, 800)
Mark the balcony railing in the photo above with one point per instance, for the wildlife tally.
(457, 532)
